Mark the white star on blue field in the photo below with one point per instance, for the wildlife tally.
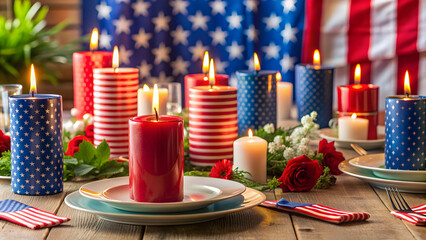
(166, 39)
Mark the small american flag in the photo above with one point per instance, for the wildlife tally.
(31, 217)
(413, 218)
(317, 211)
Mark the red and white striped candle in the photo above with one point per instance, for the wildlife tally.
(213, 124)
(114, 103)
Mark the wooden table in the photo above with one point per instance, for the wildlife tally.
(348, 194)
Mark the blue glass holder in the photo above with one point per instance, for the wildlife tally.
(257, 100)
(405, 133)
(36, 144)
(314, 92)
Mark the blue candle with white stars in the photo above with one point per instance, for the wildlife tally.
(36, 144)
(314, 92)
(405, 132)
(257, 99)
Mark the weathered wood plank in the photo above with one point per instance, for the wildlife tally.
(71, 16)
(348, 194)
(55, 3)
(256, 223)
(46, 203)
(412, 200)
(88, 226)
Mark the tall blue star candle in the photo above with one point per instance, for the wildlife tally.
(314, 90)
(405, 131)
(257, 98)
(36, 142)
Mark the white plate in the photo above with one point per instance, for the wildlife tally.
(5, 177)
(376, 162)
(248, 199)
(368, 176)
(228, 189)
(328, 134)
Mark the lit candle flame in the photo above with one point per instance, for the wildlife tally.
(212, 77)
(250, 133)
(357, 77)
(145, 88)
(206, 63)
(256, 62)
(155, 99)
(94, 40)
(278, 76)
(407, 89)
(115, 58)
(317, 57)
(353, 116)
(33, 88)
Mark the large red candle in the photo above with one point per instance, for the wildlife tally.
(194, 80)
(362, 99)
(156, 158)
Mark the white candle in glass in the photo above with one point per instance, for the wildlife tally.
(284, 98)
(145, 100)
(353, 128)
(250, 156)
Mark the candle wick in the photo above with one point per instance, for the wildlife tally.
(33, 93)
(156, 114)
(115, 69)
(408, 95)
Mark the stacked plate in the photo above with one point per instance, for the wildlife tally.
(205, 199)
(370, 168)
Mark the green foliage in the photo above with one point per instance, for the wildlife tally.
(25, 40)
(325, 180)
(93, 163)
(5, 164)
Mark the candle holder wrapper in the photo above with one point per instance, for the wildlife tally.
(257, 100)
(405, 126)
(36, 144)
(314, 92)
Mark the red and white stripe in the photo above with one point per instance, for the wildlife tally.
(385, 37)
(322, 212)
(115, 102)
(213, 124)
(33, 218)
(413, 218)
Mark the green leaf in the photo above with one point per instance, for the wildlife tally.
(83, 169)
(72, 161)
(102, 154)
(86, 152)
(112, 168)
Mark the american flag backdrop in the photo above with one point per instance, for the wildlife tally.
(166, 39)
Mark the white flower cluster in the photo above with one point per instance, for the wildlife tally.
(269, 128)
(78, 125)
(298, 141)
(276, 145)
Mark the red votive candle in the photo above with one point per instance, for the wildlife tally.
(362, 99)
(193, 80)
(156, 158)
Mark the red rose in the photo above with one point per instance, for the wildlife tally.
(301, 174)
(331, 157)
(89, 132)
(4, 142)
(222, 169)
(74, 144)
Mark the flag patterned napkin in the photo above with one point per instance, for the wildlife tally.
(413, 218)
(317, 211)
(31, 217)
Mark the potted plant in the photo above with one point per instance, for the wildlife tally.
(25, 40)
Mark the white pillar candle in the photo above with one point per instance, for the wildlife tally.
(284, 100)
(250, 156)
(353, 128)
(145, 101)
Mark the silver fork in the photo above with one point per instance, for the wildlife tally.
(397, 199)
(361, 151)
